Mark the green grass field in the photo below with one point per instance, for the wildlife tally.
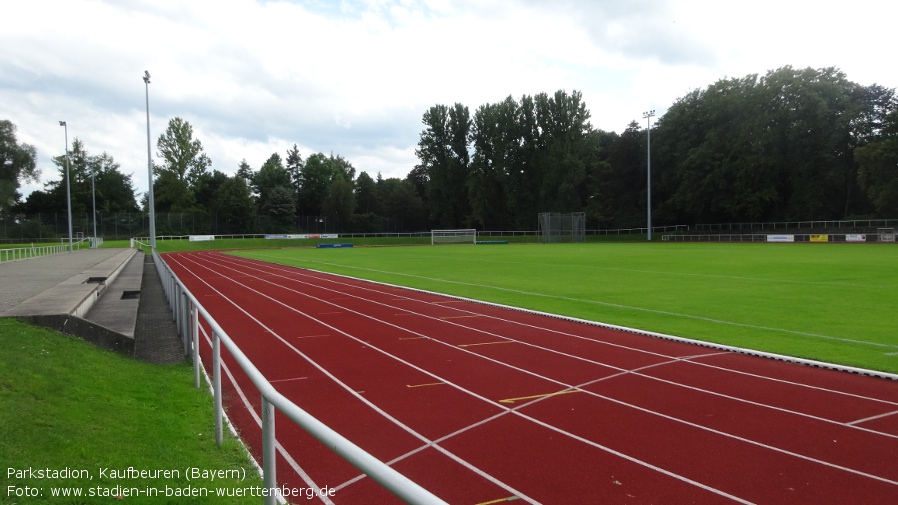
(65, 404)
(827, 302)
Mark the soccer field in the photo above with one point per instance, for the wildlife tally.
(832, 303)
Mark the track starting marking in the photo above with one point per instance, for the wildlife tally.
(461, 317)
(422, 385)
(313, 336)
(487, 343)
(500, 500)
(872, 418)
(566, 391)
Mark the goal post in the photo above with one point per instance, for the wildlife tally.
(460, 236)
(886, 234)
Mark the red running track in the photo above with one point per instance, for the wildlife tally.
(482, 404)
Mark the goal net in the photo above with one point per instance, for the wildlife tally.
(558, 227)
(886, 234)
(466, 236)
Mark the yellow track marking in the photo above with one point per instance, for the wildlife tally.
(313, 336)
(422, 385)
(566, 391)
(285, 380)
(413, 338)
(500, 500)
(487, 343)
(460, 317)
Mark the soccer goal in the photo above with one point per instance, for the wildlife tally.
(466, 236)
(886, 234)
(558, 227)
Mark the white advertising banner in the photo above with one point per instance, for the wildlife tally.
(303, 236)
(780, 238)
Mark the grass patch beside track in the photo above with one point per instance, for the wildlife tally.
(65, 404)
(827, 302)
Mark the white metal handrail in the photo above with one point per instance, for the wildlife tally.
(20, 253)
(187, 309)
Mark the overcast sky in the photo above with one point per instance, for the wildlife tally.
(354, 77)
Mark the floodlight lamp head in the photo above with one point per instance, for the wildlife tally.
(62, 123)
(146, 76)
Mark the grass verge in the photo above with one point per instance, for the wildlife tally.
(69, 407)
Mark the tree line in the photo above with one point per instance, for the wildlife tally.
(793, 144)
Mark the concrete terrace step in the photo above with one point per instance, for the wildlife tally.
(117, 307)
(112, 298)
(78, 290)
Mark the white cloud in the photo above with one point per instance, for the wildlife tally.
(353, 78)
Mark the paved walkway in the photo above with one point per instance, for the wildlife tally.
(22, 280)
(110, 297)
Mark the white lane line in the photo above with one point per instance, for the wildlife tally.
(429, 443)
(330, 279)
(579, 358)
(358, 396)
(297, 468)
(753, 442)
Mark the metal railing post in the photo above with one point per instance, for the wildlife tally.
(195, 333)
(185, 322)
(269, 455)
(216, 386)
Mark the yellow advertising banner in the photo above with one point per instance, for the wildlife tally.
(819, 238)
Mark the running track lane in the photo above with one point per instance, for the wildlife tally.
(480, 403)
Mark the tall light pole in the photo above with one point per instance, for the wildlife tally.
(68, 189)
(648, 115)
(93, 195)
(151, 208)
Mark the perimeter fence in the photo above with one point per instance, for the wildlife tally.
(777, 226)
(791, 237)
(50, 227)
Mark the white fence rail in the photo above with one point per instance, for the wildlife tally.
(21, 253)
(187, 310)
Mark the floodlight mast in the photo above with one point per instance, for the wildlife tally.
(93, 194)
(151, 208)
(648, 115)
(68, 189)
